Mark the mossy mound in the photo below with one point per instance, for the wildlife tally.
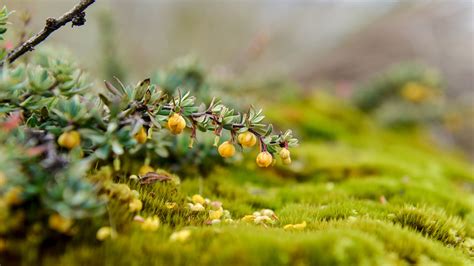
(367, 196)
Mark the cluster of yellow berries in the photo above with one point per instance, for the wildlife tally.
(216, 214)
(176, 124)
(264, 217)
(248, 139)
(70, 139)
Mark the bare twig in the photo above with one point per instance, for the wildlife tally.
(76, 15)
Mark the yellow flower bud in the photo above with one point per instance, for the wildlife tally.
(247, 139)
(198, 199)
(284, 153)
(69, 139)
(141, 136)
(135, 205)
(103, 233)
(176, 124)
(59, 223)
(151, 223)
(287, 161)
(226, 149)
(145, 169)
(264, 159)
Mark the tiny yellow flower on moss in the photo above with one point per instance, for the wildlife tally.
(69, 139)
(141, 136)
(247, 139)
(170, 205)
(226, 149)
(180, 236)
(135, 205)
(151, 223)
(103, 233)
(176, 123)
(59, 223)
(198, 199)
(145, 169)
(264, 159)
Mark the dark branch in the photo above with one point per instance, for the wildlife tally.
(76, 15)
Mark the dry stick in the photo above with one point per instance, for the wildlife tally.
(76, 15)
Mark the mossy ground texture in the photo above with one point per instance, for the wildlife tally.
(369, 196)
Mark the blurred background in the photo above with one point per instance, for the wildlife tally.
(315, 43)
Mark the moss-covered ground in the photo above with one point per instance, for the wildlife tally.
(369, 196)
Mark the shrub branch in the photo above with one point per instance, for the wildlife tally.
(76, 15)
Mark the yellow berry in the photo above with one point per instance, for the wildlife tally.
(198, 199)
(226, 149)
(69, 139)
(264, 159)
(284, 153)
(59, 223)
(287, 161)
(135, 205)
(13, 196)
(247, 139)
(141, 136)
(103, 233)
(176, 124)
(145, 169)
